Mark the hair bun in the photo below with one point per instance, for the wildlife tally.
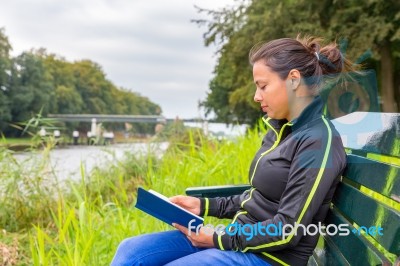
(329, 57)
(314, 46)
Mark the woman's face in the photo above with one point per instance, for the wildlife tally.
(271, 92)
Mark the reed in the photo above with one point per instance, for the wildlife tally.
(82, 223)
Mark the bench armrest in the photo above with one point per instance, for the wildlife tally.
(216, 191)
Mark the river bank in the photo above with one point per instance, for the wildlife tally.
(82, 221)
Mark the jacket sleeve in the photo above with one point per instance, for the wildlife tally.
(221, 207)
(314, 172)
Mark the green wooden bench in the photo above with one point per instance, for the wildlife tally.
(368, 194)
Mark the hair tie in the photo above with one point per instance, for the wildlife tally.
(316, 54)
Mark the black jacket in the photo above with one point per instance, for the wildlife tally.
(293, 177)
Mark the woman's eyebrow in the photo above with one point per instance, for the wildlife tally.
(259, 81)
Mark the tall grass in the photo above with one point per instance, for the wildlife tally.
(44, 222)
(82, 223)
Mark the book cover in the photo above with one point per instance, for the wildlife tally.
(159, 206)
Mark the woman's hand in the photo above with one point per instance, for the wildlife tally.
(200, 239)
(191, 204)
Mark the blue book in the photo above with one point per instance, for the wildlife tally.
(159, 206)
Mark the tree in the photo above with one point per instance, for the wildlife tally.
(92, 85)
(37, 81)
(63, 84)
(238, 28)
(5, 72)
(31, 88)
(373, 25)
(69, 101)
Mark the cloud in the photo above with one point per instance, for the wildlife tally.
(150, 47)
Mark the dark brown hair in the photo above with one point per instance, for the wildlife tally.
(304, 54)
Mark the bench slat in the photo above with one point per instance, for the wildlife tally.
(354, 248)
(367, 212)
(380, 177)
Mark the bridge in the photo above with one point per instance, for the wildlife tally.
(117, 118)
(100, 118)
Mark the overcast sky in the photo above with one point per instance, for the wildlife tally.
(147, 46)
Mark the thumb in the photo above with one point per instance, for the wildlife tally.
(176, 199)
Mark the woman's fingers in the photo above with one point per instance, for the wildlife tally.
(176, 199)
(181, 228)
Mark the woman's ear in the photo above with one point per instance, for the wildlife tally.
(294, 76)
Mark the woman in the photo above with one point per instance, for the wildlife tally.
(293, 175)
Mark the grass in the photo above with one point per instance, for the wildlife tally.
(45, 222)
(82, 223)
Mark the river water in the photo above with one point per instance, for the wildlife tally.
(66, 161)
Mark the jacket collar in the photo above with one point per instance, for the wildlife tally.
(310, 113)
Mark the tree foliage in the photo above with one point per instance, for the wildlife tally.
(31, 87)
(5, 65)
(372, 25)
(37, 81)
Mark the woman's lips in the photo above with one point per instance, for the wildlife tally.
(264, 108)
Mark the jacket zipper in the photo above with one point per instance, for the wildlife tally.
(277, 141)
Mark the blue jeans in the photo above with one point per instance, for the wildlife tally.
(172, 248)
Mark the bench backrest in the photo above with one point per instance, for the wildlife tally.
(368, 195)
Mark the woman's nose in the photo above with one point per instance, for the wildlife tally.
(257, 96)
